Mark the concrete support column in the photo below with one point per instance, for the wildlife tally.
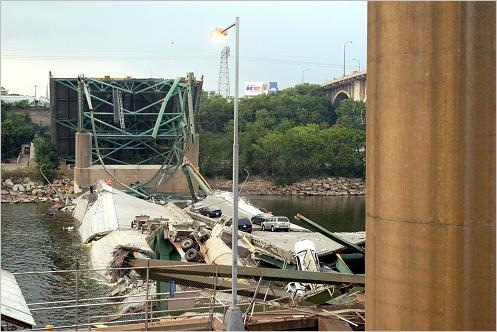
(430, 262)
(83, 150)
(83, 144)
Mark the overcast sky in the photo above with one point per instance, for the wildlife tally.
(278, 40)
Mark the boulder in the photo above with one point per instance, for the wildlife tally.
(5, 192)
(12, 193)
(18, 187)
(9, 183)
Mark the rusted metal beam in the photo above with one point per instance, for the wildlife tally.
(178, 268)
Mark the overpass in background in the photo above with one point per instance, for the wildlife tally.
(352, 86)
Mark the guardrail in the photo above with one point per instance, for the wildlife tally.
(135, 299)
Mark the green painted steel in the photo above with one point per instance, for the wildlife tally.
(163, 250)
(250, 272)
(155, 116)
(202, 185)
(163, 107)
(190, 106)
(275, 262)
(331, 235)
(342, 266)
(190, 184)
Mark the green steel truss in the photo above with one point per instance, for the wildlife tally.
(135, 121)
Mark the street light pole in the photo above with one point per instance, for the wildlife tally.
(350, 41)
(35, 93)
(359, 62)
(235, 322)
(303, 71)
(233, 317)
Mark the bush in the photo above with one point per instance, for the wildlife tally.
(22, 103)
(17, 129)
(46, 157)
(6, 106)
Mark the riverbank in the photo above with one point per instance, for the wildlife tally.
(326, 186)
(26, 190)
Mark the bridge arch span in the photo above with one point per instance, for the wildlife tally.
(341, 95)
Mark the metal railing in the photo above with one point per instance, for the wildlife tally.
(79, 299)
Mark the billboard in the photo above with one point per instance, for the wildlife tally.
(259, 88)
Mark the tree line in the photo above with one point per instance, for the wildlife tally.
(289, 135)
(18, 129)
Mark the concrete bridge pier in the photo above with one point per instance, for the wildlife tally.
(430, 205)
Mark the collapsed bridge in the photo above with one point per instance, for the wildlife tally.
(135, 131)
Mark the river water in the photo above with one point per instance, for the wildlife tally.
(32, 241)
(337, 214)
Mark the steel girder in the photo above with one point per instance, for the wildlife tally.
(157, 117)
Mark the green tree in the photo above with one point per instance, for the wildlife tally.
(343, 151)
(214, 112)
(46, 157)
(17, 129)
(352, 114)
(288, 135)
(215, 154)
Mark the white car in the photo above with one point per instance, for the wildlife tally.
(276, 223)
(196, 207)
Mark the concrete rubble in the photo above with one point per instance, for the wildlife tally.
(116, 228)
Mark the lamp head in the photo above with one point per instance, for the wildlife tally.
(218, 36)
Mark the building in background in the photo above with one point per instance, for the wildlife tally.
(11, 99)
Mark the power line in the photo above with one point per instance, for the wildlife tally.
(165, 57)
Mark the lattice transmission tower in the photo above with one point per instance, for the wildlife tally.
(223, 85)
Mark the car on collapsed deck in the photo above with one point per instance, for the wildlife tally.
(211, 211)
(195, 207)
(276, 223)
(244, 224)
(258, 219)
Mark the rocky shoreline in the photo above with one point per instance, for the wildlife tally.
(24, 190)
(329, 186)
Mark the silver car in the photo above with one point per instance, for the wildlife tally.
(276, 223)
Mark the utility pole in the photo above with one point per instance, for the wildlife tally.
(35, 93)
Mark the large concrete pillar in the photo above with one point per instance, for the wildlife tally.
(430, 262)
(83, 145)
(83, 150)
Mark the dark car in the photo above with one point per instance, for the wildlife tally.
(258, 219)
(244, 224)
(211, 211)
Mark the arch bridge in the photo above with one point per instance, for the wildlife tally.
(351, 86)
